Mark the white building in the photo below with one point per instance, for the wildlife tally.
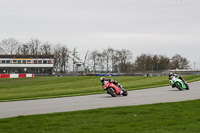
(36, 64)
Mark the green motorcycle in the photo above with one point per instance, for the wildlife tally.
(178, 83)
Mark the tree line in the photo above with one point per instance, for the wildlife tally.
(105, 61)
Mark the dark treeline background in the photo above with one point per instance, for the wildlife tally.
(106, 61)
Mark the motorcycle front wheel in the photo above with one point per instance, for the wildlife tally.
(125, 93)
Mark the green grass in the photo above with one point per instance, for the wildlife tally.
(178, 117)
(50, 87)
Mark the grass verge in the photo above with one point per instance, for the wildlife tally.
(51, 87)
(178, 117)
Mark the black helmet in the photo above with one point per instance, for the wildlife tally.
(102, 79)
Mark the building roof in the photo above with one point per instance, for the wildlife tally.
(26, 56)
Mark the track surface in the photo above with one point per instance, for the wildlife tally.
(138, 97)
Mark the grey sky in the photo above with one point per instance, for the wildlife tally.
(162, 27)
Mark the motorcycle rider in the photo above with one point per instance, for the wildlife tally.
(104, 82)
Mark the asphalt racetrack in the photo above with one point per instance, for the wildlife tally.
(137, 97)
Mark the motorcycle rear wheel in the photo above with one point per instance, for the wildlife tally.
(178, 86)
(112, 92)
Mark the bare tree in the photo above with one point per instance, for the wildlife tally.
(61, 57)
(155, 63)
(93, 57)
(64, 57)
(18, 52)
(113, 55)
(115, 61)
(24, 49)
(1, 49)
(125, 57)
(179, 62)
(148, 62)
(158, 62)
(34, 45)
(84, 62)
(9, 46)
(164, 62)
(101, 60)
(140, 62)
(57, 57)
(109, 53)
(75, 58)
(45, 49)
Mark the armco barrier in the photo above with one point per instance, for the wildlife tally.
(15, 75)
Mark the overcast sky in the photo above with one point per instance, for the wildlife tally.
(166, 27)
